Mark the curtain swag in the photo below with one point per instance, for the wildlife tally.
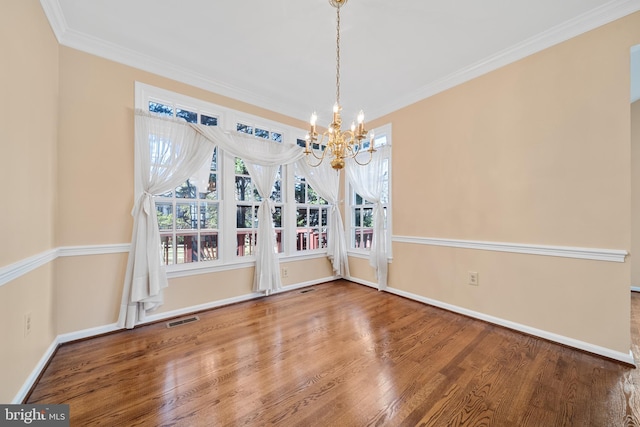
(168, 152)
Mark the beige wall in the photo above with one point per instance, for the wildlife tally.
(28, 127)
(96, 170)
(635, 193)
(537, 152)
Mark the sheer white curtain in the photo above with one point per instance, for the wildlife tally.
(168, 153)
(267, 271)
(326, 182)
(367, 182)
(262, 158)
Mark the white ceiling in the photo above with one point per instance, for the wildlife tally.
(280, 54)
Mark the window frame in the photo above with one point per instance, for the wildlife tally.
(381, 131)
(227, 207)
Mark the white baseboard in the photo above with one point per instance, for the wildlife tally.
(362, 282)
(99, 330)
(570, 342)
(35, 373)
(214, 304)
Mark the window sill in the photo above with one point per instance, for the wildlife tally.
(193, 269)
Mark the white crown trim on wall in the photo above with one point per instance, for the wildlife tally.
(579, 25)
(595, 18)
(613, 255)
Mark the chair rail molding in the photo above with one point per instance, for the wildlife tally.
(611, 255)
(24, 266)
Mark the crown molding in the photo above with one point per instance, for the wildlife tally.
(595, 18)
(54, 14)
(567, 30)
(101, 48)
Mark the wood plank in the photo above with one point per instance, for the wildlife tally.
(344, 355)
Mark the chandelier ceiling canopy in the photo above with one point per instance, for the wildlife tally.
(335, 143)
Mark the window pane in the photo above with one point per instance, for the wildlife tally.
(323, 238)
(279, 246)
(314, 217)
(208, 120)
(300, 191)
(241, 169)
(357, 217)
(301, 217)
(187, 248)
(244, 189)
(312, 195)
(167, 249)
(302, 240)
(158, 108)
(358, 199)
(189, 116)
(186, 217)
(209, 215)
(209, 247)
(186, 191)
(277, 217)
(367, 218)
(261, 133)
(164, 212)
(212, 188)
(301, 143)
(244, 128)
(244, 217)
(246, 242)
(277, 137)
(214, 160)
(324, 217)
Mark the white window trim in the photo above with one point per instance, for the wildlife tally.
(227, 119)
(364, 253)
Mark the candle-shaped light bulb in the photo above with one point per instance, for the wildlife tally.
(353, 126)
(336, 107)
(372, 137)
(336, 112)
(361, 117)
(314, 119)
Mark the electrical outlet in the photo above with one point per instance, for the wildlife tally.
(473, 278)
(27, 324)
(285, 272)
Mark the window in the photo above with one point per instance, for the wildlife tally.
(207, 224)
(188, 215)
(311, 217)
(361, 211)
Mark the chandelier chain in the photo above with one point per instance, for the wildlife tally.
(334, 143)
(338, 56)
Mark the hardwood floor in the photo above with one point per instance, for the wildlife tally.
(339, 354)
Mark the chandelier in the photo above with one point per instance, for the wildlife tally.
(339, 144)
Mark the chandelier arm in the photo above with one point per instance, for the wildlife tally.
(321, 158)
(355, 158)
(311, 164)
